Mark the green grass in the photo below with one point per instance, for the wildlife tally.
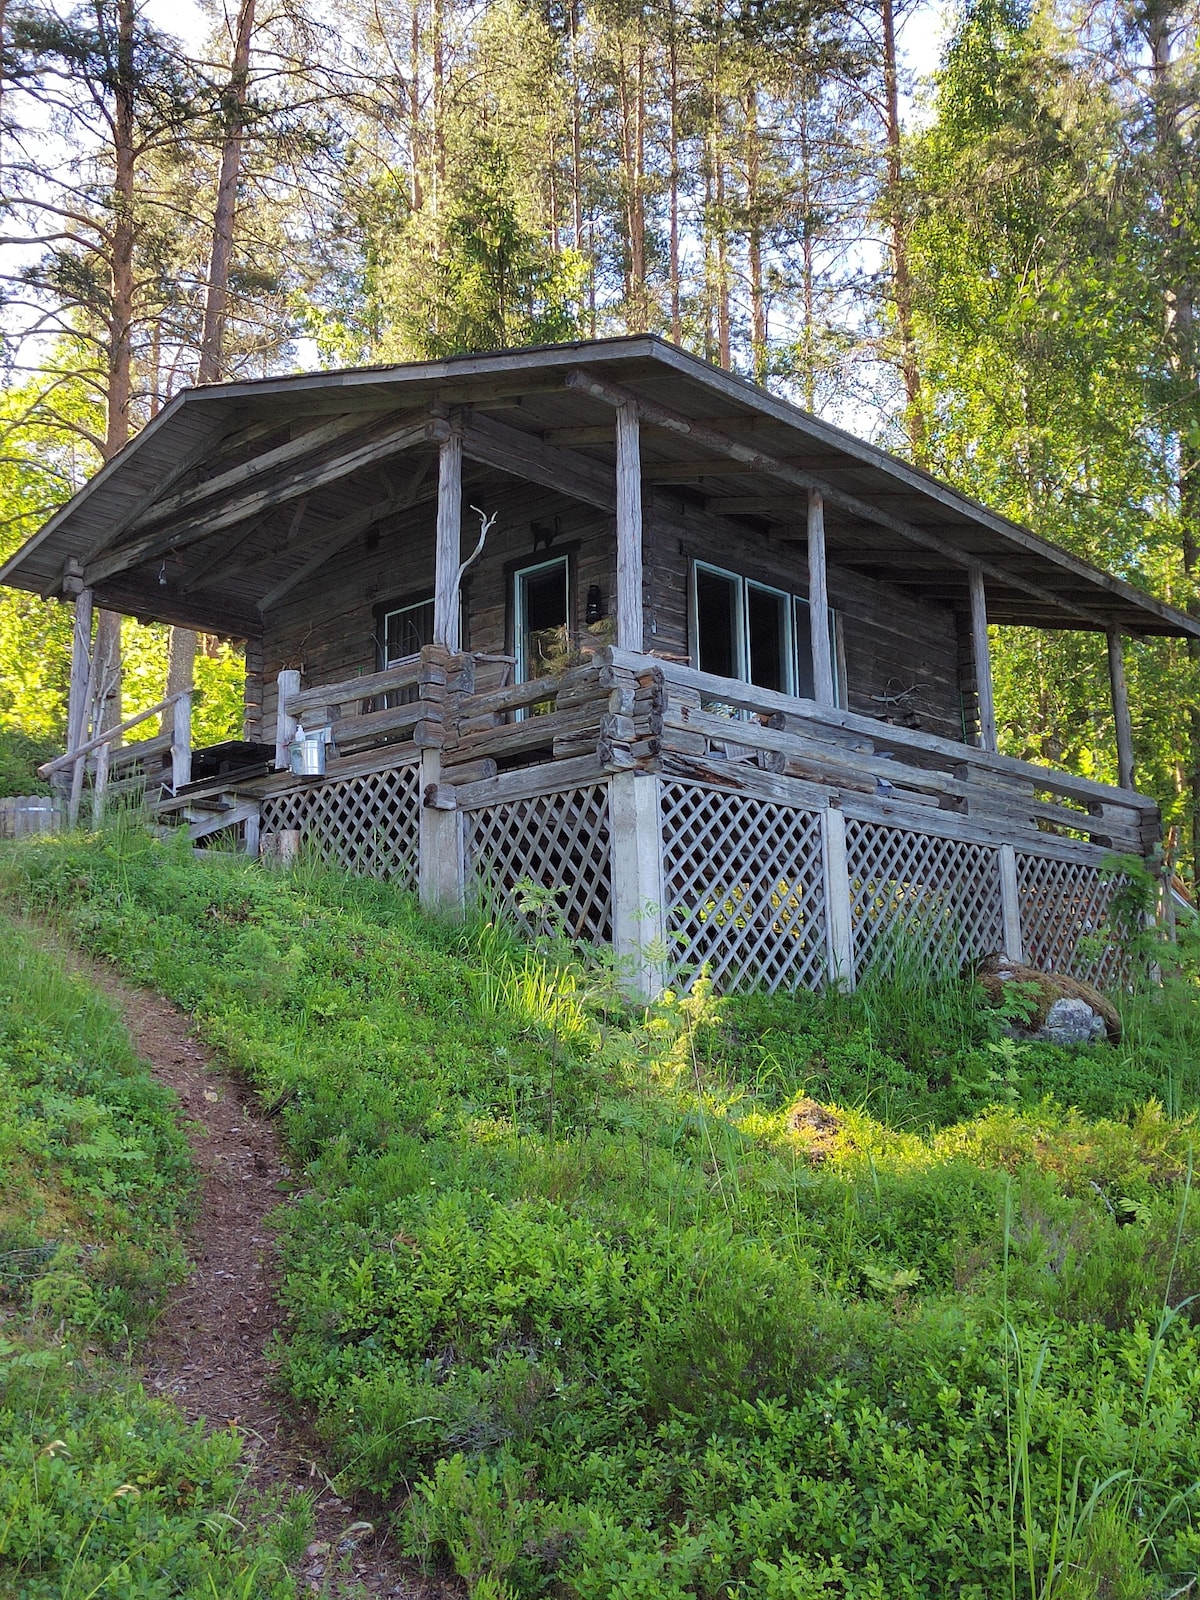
(103, 1491)
(577, 1294)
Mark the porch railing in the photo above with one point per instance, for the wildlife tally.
(113, 764)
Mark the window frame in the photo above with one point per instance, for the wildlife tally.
(741, 645)
(519, 571)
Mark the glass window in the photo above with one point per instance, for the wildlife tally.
(402, 633)
(749, 631)
(541, 619)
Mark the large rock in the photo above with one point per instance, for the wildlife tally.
(1066, 1010)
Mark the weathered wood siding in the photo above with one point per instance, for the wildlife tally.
(891, 641)
(327, 626)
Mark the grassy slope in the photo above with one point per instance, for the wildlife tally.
(102, 1490)
(629, 1327)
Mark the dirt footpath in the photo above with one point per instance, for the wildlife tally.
(206, 1352)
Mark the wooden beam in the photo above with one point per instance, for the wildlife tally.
(983, 660)
(658, 416)
(392, 441)
(304, 444)
(448, 546)
(495, 444)
(629, 531)
(1121, 717)
(818, 604)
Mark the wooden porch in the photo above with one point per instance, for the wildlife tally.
(694, 821)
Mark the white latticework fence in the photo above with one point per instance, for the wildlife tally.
(558, 842)
(369, 825)
(916, 894)
(744, 887)
(1066, 919)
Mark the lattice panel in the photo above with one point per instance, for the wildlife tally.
(558, 842)
(916, 893)
(745, 888)
(367, 825)
(1066, 921)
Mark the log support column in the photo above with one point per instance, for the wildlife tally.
(638, 894)
(1120, 700)
(448, 549)
(629, 530)
(818, 604)
(81, 653)
(983, 661)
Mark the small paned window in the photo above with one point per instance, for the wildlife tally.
(402, 633)
(749, 631)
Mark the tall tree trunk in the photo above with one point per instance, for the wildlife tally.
(107, 643)
(673, 156)
(181, 650)
(414, 107)
(758, 296)
(216, 306)
(902, 294)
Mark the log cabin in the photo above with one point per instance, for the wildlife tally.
(601, 618)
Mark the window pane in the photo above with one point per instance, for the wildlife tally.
(717, 623)
(407, 630)
(768, 624)
(804, 670)
(542, 610)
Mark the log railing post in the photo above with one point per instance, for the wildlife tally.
(181, 740)
(638, 892)
(839, 921)
(983, 660)
(629, 530)
(818, 604)
(1121, 717)
(286, 685)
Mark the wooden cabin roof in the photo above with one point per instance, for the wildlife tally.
(236, 492)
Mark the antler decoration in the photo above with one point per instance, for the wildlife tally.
(485, 527)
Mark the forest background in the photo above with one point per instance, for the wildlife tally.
(992, 270)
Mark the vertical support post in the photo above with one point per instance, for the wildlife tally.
(839, 924)
(81, 650)
(286, 685)
(1120, 700)
(441, 862)
(1010, 904)
(818, 603)
(629, 530)
(983, 661)
(181, 741)
(252, 828)
(638, 892)
(448, 549)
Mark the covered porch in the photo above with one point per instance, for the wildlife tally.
(540, 705)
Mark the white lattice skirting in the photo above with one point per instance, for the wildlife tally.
(368, 825)
(920, 895)
(744, 886)
(1066, 919)
(558, 842)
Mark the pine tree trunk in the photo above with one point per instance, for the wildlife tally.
(902, 294)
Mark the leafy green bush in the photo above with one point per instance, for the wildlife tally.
(596, 1291)
(20, 756)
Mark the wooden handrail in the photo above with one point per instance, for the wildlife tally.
(402, 675)
(902, 741)
(60, 763)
